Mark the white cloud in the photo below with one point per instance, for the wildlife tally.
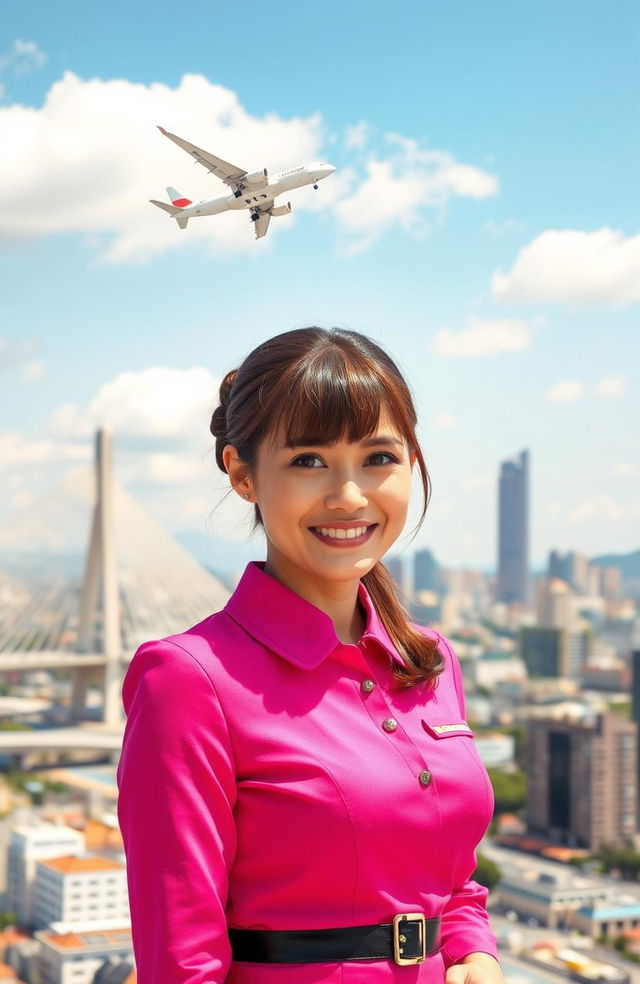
(611, 386)
(574, 267)
(163, 468)
(567, 391)
(330, 192)
(105, 159)
(34, 370)
(501, 228)
(90, 158)
(22, 57)
(399, 189)
(17, 351)
(484, 337)
(570, 390)
(356, 136)
(600, 507)
(625, 469)
(17, 451)
(155, 405)
(159, 420)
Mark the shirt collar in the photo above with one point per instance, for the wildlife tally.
(292, 626)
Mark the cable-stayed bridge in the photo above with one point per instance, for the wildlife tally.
(135, 582)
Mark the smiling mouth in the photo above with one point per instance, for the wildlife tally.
(340, 536)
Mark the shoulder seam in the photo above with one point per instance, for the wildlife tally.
(215, 693)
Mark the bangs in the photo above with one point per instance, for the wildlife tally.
(330, 398)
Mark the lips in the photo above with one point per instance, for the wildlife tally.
(343, 540)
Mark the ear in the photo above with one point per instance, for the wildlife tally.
(236, 469)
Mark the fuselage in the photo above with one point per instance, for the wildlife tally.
(296, 177)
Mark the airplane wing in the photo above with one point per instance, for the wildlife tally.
(262, 224)
(228, 173)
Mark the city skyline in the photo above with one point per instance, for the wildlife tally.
(55, 526)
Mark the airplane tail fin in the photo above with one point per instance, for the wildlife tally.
(176, 199)
(178, 202)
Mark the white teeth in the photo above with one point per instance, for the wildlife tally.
(339, 534)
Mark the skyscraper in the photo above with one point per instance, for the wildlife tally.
(558, 566)
(513, 530)
(395, 566)
(581, 780)
(635, 711)
(425, 571)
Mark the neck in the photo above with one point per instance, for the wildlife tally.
(337, 599)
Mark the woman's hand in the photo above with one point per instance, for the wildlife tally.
(475, 968)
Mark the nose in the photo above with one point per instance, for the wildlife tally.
(348, 495)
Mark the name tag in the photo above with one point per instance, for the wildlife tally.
(460, 726)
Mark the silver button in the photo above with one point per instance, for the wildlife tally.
(367, 686)
(389, 724)
(425, 777)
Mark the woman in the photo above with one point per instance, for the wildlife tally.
(300, 796)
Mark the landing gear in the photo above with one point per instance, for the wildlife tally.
(316, 187)
(255, 215)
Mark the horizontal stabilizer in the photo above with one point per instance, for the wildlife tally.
(171, 209)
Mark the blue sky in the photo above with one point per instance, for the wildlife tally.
(482, 224)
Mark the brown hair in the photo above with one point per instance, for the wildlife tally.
(323, 384)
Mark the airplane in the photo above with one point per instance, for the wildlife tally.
(253, 190)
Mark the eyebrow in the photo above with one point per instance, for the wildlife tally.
(369, 443)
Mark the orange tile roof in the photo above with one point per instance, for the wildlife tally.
(11, 935)
(79, 941)
(8, 973)
(69, 864)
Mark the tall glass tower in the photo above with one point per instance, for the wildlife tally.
(513, 530)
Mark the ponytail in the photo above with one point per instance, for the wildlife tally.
(422, 657)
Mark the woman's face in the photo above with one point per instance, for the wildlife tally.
(332, 488)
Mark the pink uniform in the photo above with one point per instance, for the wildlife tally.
(271, 778)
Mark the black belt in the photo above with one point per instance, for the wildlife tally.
(407, 940)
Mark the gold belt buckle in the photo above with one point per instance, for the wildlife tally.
(398, 938)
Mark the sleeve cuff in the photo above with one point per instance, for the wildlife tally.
(457, 950)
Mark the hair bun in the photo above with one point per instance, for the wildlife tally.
(225, 387)
(218, 425)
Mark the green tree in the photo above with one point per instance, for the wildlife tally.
(624, 859)
(509, 789)
(487, 872)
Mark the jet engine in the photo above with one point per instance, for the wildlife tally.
(256, 179)
(281, 209)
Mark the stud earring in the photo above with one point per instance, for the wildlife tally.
(247, 496)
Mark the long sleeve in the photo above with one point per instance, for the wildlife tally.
(465, 924)
(176, 793)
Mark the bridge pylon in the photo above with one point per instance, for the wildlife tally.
(99, 627)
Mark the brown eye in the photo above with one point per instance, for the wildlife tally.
(385, 454)
(302, 457)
